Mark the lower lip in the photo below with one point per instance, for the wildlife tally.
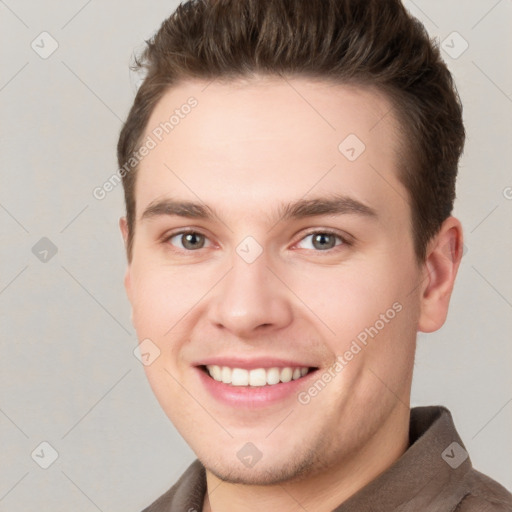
(252, 396)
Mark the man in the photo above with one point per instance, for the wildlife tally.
(289, 170)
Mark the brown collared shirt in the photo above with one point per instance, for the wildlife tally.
(434, 475)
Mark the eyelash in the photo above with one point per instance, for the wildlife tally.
(345, 242)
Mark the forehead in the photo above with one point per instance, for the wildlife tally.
(243, 145)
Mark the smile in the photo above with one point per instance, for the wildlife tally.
(257, 376)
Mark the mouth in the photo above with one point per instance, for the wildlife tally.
(256, 377)
(253, 383)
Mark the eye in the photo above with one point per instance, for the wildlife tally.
(188, 240)
(322, 240)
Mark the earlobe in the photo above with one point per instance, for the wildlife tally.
(441, 266)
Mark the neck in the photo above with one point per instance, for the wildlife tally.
(324, 490)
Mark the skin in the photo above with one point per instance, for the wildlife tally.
(246, 148)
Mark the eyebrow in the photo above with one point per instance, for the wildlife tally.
(333, 205)
(303, 208)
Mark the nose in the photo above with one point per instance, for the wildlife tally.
(250, 300)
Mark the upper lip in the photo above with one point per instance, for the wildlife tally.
(253, 363)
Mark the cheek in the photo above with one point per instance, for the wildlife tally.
(161, 297)
(364, 308)
(348, 299)
(160, 302)
(151, 306)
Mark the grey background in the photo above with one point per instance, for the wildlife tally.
(68, 373)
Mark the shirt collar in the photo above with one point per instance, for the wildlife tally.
(429, 473)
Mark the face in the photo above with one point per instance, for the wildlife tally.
(273, 242)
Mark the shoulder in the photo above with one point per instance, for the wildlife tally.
(484, 495)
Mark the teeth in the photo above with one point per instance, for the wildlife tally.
(225, 375)
(216, 372)
(273, 376)
(256, 377)
(286, 374)
(239, 377)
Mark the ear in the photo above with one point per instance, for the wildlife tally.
(440, 269)
(123, 226)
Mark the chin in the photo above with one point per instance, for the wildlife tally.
(269, 472)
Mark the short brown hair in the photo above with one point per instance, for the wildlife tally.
(372, 43)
